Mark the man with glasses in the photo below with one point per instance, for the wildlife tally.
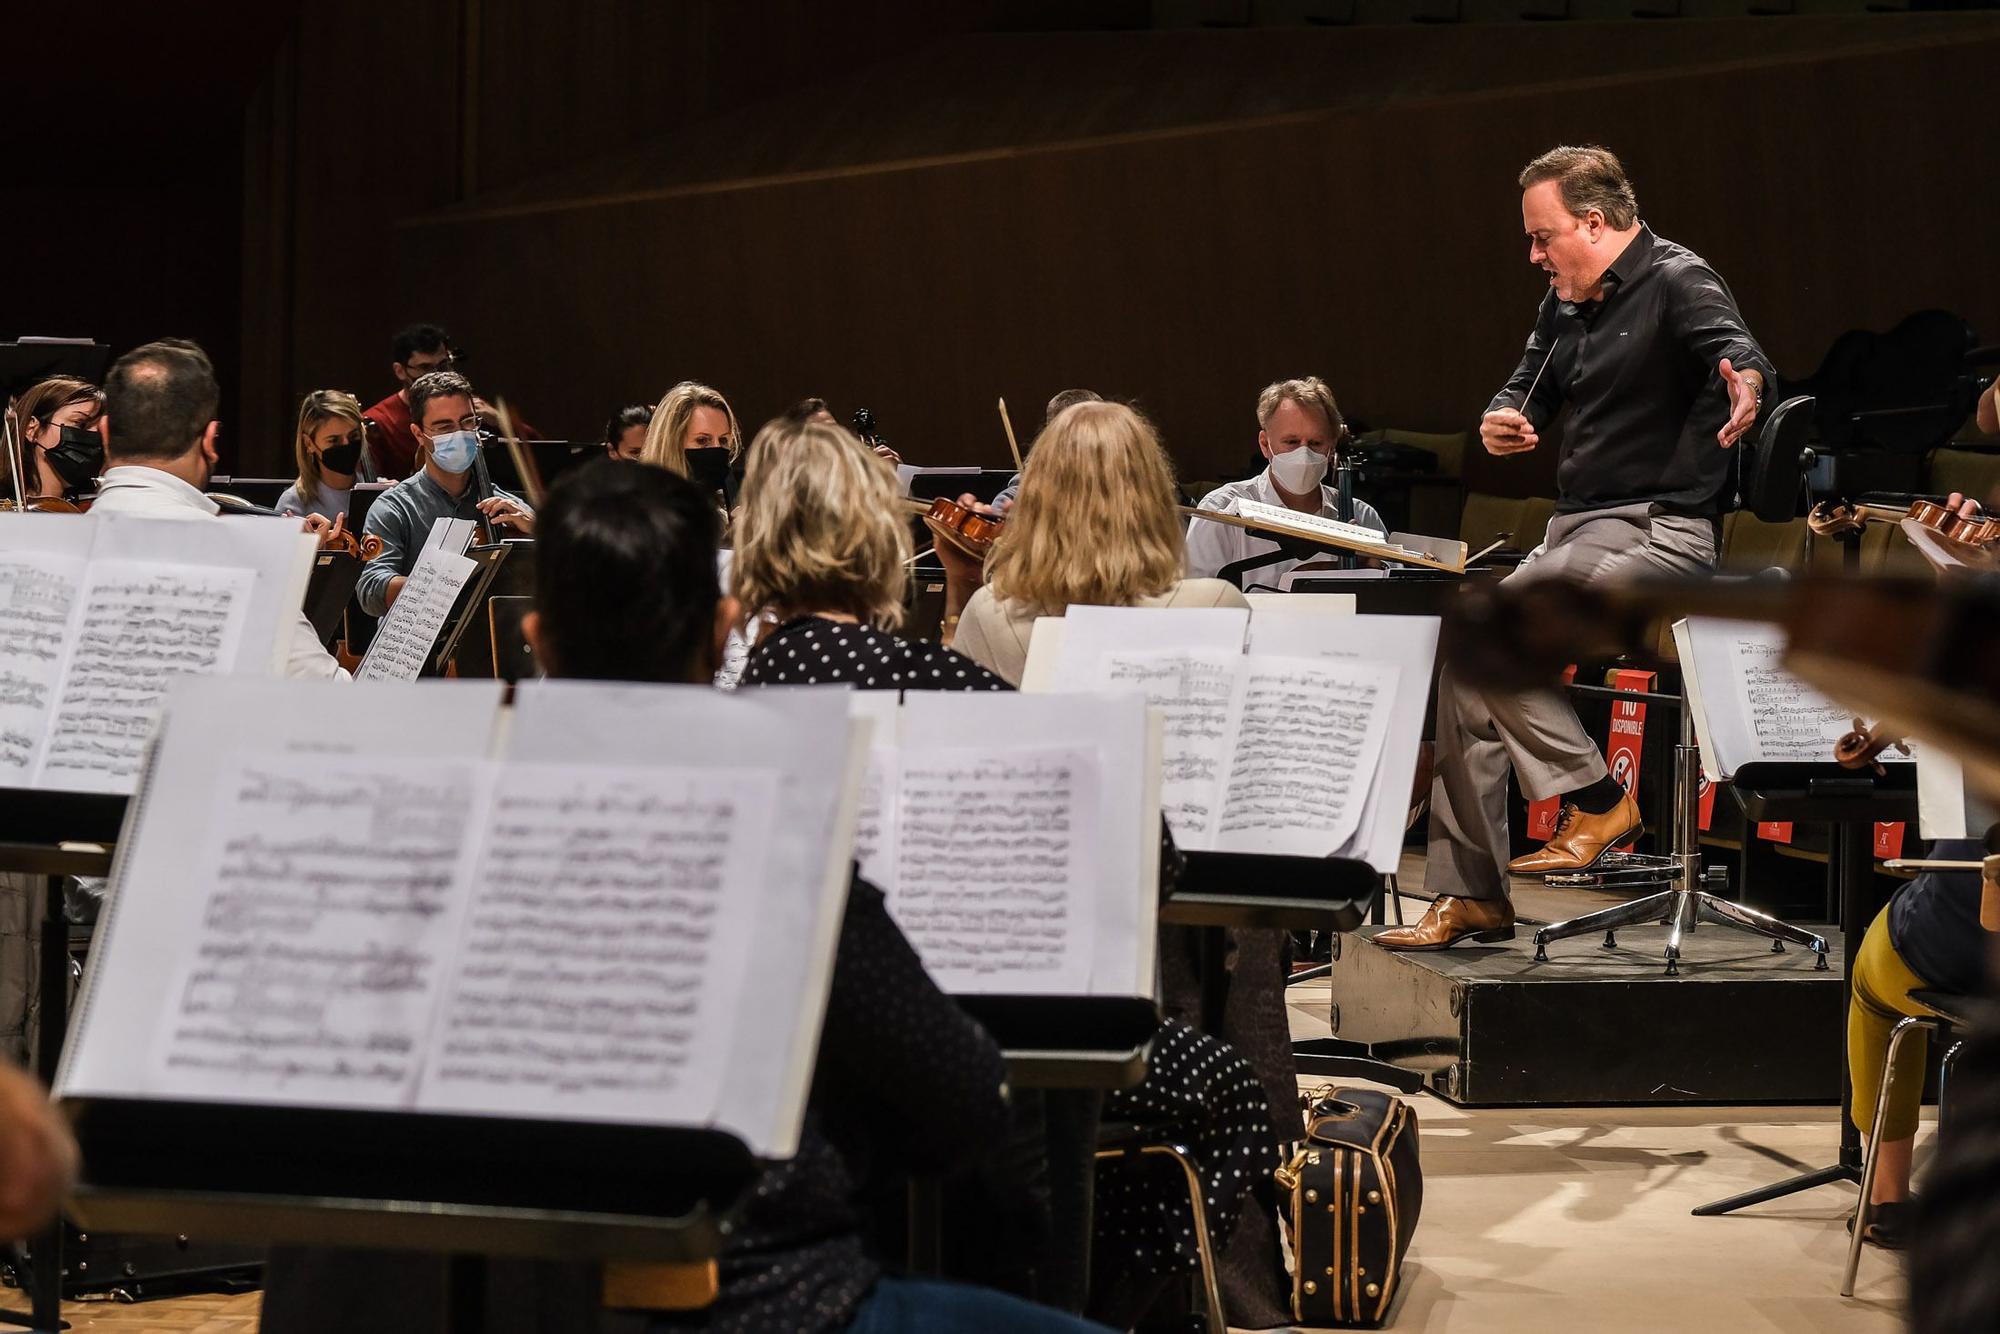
(392, 445)
(451, 484)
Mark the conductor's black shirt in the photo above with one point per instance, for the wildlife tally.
(1637, 369)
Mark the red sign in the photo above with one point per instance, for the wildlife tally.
(1888, 839)
(1626, 742)
(1705, 792)
(1775, 831)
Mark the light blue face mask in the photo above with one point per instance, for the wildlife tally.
(454, 450)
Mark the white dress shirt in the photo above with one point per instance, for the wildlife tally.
(136, 489)
(1211, 546)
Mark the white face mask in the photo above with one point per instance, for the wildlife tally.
(454, 450)
(1300, 470)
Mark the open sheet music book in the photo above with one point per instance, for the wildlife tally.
(1747, 708)
(1016, 838)
(549, 915)
(99, 612)
(1303, 745)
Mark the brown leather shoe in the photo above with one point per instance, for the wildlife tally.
(1582, 839)
(1449, 920)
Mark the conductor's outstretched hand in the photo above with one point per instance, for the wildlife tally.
(1742, 404)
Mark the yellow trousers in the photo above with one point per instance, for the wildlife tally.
(1882, 987)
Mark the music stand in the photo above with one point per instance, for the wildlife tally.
(471, 600)
(328, 592)
(29, 361)
(54, 835)
(1852, 801)
(1242, 889)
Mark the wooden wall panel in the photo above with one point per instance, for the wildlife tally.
(1380, 247)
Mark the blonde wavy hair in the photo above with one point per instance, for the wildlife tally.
(1097, 519)
(666, 435)
(820, 528)
(316, 410)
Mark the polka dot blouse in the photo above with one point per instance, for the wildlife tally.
(808, 650)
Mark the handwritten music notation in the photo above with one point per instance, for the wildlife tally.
(991, 867)
(37, 593)
(1262, 753)
(602, 947)
(408, 634)
(313, 970)
(1308, 742)
(1194, 691)
(1789, 720)
(138, 627)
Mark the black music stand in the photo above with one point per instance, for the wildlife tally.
(29, 361)
(1223, 889)
(465, 611)
(328, 592)
(1853, 801)
(54, 835)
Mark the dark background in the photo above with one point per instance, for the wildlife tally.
(918, 207)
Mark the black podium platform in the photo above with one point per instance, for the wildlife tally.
(1488, 1026)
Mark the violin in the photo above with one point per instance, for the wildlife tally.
(1860, 748)
(965, 528)
(45, 505)
(1839, 519)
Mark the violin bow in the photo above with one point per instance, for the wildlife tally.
(1013, 445)
(524, 462)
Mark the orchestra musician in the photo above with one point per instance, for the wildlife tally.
(450, 485)
(625, 589)
(329, 447)
(1067, 398)
(1299, 432)
(417, 351)
(159, 432)
(61, 453)
(693, 432)
(821, 543)
(38, 1157)
(1641, 340)
(1097, 522)
(625, 433)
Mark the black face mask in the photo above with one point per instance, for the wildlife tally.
(77, 455)
(341, 457)
(709, 467)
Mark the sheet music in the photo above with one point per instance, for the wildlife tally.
(1089, 633)
(1789, 720)
(407, 635)
(1194, 692)
(875, 822)
(1308, 742)
(137, 627)
(991, 867)
(610, 926)
(333, 890)
(38, 591)
(1316, 626)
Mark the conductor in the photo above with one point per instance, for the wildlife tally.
(1641, 341)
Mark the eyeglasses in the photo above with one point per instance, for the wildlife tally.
(421, 368)
(469, 422)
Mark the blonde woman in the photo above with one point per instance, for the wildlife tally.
(823, 560)
(328, 447)
(694, 433)
(1096, 523)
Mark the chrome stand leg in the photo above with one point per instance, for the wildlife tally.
(1868, 1158)
(1686, 901)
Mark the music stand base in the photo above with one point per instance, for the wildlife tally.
(1354, 1060)
(1681, 909)
(1825, 1176)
